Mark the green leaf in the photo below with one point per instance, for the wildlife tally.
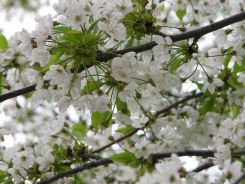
(101, 119)
(91, 86)
(54, 59)
(235, 110)
(65, 29)
(9, 181)
(162, 8)
(125, 130)
(74, 38)
(78, 180)
(243, 181)
(37, 67)
(135, 163)
(232, 80)
(130, 42)
(207, 106)
(176, 64)
(94, 25)
(79, 130)
(227, 58)
(2, 176)
(181, 13)
(3, 42)
(122, 107)
(238, 68)
(125, 157)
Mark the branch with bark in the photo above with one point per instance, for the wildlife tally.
(154, 116)
(104, 57)
(201, 153)
(86, 166)
(240, 179)
(203, 167)
(155, 156)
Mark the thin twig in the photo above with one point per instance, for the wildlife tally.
(132, 132)
(89, 155)
(203, 167)
(166, 109)
(202, 153)
(86, 166)
(239, 180)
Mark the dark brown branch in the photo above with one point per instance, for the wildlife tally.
(89, 155)
(88, 165)
(239, 180)
(103, 57)
(18, 92)
(203, 167)
(201, 153)
(166, 109)
(199, 32)
(176, 104)
(92, 164)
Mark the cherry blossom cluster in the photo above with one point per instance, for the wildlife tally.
(122, 77)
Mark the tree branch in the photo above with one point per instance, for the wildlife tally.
(201, 153)
(239, 180)
(199, 32)
(92, 164)
(132, 132)
(18, 92)
(203, 167)
(103, 57)
(155, 115)
(86, 166)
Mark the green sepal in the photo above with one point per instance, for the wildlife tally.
(54, 59)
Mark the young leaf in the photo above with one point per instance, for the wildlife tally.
(208, 105)
(227, 58)
(125, 157)
(65, 29)
(235, 110)
(3, 42)
(122, 107)
(125, 130)
(232, 80)
(54, 59)
(79, 130)
(180, 14)
(2, 176)
(99, 118)
(237, 68)
(94, 25)
(176, 64)
(9, 181)
(130, 42)
(91, 86)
